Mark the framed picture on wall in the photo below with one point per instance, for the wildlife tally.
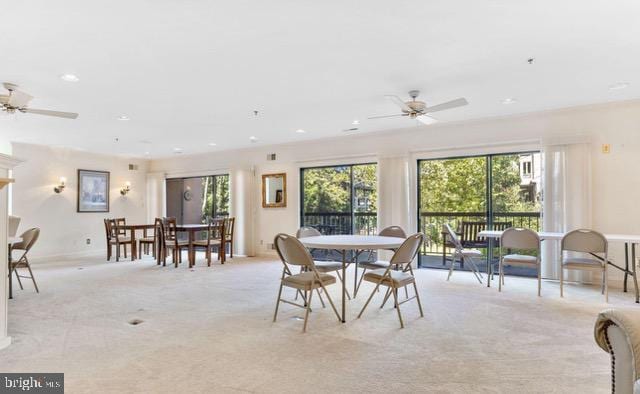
(93, 191)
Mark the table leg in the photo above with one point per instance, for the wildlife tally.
(633, 269)
(191, 253)
(626, 266)
(355, 276)
(344, 284)
(489, 261)
(134, 249)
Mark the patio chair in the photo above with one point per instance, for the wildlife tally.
(465, 255)
(29, 239)
(585, 242)
(292, 252)
(393, 279)
(520, 239)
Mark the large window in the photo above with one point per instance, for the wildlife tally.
(340, 199)
(475, 193)
(195, 199)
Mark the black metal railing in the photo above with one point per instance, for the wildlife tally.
(332, 223)
(431, 224)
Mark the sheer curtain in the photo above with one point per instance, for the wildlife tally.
(566, 201)
(393, 195)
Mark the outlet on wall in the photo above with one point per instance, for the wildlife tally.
(88, 241)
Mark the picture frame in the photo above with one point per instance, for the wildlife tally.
(93, 191)
(274, 190)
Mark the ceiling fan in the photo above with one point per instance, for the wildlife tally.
(19, 101)
(418, 109)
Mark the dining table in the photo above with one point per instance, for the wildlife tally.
(629, 240)
(11, 241)
(355, 243)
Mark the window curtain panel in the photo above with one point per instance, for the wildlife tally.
(242, 185)
(393, 195)
(566, 202)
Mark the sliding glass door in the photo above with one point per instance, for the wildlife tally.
(339, 199)
(195, 199)
(475, 193)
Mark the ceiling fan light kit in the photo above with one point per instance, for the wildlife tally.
(419, 110)
(19, 101)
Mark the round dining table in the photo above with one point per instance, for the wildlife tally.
(356, 243)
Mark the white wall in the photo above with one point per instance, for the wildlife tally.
(616, 183)
(63, 230)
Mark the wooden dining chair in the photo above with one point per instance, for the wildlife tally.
(117, 238)
(159, 247)
(29, 239)
(228, 234)
(215, 238)
(148, 241)
(172, 242)
(107, 230)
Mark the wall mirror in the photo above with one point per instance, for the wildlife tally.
(274, 190)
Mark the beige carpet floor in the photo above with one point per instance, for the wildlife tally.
(210, 330)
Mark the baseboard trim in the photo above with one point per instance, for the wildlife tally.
(5, 342)
(65, 256)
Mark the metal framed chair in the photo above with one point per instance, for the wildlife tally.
(465, 255)
(393, 279)
(29, 239)
(391, 231)
(520, 239)
(292, 252)
(321, 266)
(590, 243)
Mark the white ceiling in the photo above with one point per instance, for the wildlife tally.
(189, 73)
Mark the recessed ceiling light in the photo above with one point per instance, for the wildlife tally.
(146, 153)
(253, 139)
(69, 78)
(300, 131)
(509, 100)
(123, 117)
(177, 149)
(355, 122)
(619, 85)
(212, 144)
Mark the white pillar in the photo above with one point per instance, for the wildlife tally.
(155, 196)
(242, 186)
(6, 164)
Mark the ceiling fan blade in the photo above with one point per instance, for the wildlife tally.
(68, 115)
(398, 101)
(426, 119)
(19, 99)
(448, 105)
(386, 116)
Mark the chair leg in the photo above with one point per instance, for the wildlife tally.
(345, 288)
(331, 302)
(320, 296)
(355, 292)
(386, 297)
(539, 281)
(125, 250)
(32, 277)
(415, 288)
(231, 248)
(500, 274)
(453, 262)
(606, 284)
(208, 252)
(306, 314)
(18, 277)
(561, 281)
(275, 314)
(368, 300)
(395, 300)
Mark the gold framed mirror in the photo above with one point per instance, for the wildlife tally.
(274, 190)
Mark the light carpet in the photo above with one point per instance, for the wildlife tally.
(209, 329)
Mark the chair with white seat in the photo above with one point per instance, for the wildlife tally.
(322, 266)
(391, 231)
(465, 255)
(292, 252)
(589, 244)
(393, 279)
(520, 239)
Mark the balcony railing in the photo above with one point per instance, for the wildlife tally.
(431, 224)
(331, 223)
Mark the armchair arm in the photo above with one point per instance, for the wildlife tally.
(617, 331)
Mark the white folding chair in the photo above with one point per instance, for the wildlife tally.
(589, 244)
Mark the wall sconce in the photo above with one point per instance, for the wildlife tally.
(61, 186)
(126, 189)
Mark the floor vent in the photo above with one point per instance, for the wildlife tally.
(135, 322)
